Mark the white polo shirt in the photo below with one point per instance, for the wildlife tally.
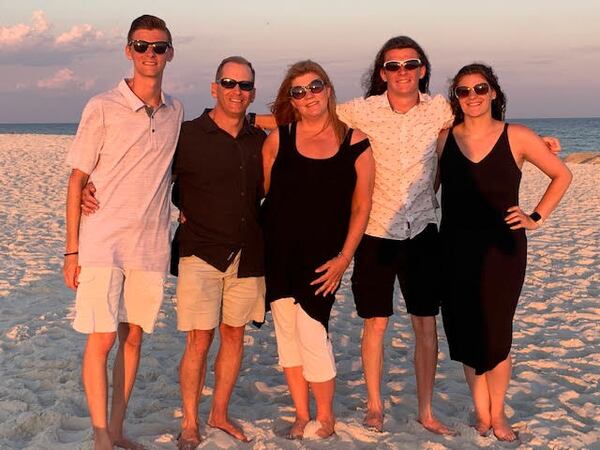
(403, 146)
(128, 155)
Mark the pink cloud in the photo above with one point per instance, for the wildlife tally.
(18, 34)
(35, 43)
(66, 78)
(79, 34)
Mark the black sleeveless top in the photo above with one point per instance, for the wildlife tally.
(306, 216)
(477, 195)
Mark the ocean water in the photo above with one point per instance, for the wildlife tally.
(575, 134)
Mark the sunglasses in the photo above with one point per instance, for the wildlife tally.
(464, 91)
(408, 64)
(230, 83)
(159, 47)
(315, 87)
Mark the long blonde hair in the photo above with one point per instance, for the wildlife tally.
(282, 107)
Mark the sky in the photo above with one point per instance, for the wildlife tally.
(56, 54)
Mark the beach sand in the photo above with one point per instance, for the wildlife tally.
(553, 399)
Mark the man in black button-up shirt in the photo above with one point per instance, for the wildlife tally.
(218, 187)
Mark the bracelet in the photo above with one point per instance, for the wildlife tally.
(341, 255)
(71, 253)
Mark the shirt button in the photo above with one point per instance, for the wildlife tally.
(243, 219)
(242, 193)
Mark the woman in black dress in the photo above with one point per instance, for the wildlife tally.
(483, 234)
(318, 183)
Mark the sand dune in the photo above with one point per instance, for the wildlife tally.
(554, 400)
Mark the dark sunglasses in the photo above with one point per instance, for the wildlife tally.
(159, 47)
(315, 87)
(229, 83)
(408, 64)
(464, 91)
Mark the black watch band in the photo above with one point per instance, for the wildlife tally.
(535, 216)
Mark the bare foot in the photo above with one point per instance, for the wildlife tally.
(188, 439)
(297, 429)
(374, 421)
(102, 439)
(482, 427)
(128, 444)
(503, 431)
(437, 427)
(327, 428)
(229, 428)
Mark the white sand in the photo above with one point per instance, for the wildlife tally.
(553, 398)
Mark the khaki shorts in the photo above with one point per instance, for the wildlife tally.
(206, 296)
(302, 341)
(107, 296)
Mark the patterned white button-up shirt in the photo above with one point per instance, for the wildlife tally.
(403, 145)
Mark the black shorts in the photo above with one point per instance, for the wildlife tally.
(416, 263)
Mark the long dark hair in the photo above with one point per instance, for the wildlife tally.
(372, 81)
(498, 104)
(282, 107)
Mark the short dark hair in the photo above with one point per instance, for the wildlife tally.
(372, 82)
(498, 104)
(148, 22)
(234, 59)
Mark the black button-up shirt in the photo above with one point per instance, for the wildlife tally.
(218, 187)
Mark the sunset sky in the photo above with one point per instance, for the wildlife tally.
(55, 54)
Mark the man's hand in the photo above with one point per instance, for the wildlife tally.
(71, 269)
(89, 202)
(553, 144)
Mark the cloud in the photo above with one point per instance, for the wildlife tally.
(17, 34)
(66, 79)
(35, 44)
(80, 34)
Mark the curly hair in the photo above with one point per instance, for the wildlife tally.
(282, 107)
(498, 104)
(372, 82)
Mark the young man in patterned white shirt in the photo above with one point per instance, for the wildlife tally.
(401, 241)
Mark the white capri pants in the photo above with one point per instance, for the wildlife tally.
(302, 341)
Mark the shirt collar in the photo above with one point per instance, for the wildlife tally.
(209, 125)
(382, 101)
(134, 101)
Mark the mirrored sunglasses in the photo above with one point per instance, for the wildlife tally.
(315, 86)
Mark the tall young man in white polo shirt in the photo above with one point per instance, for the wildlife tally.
(117, 258)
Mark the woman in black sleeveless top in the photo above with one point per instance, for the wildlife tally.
(318, 183)
(483, 234)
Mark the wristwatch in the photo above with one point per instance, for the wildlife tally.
(537, 218)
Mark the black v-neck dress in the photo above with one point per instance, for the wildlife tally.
(483, 259)
(306, 215)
